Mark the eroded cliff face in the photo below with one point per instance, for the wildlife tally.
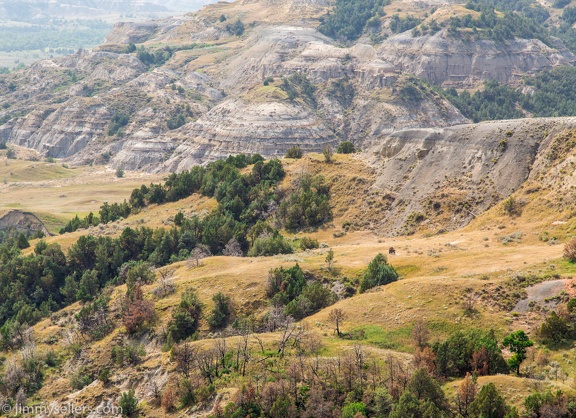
(214, 86)
(18, 221)
(449, 61)
(451, 175)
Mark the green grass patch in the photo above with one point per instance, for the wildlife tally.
(397, 339)
(442, 329)
(53, 223)
(407, 270)
(562, 266)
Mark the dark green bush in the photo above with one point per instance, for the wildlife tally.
(221, 314)
(467, 352)
(379, 273)
(236, 28)
(346, 147)
(128, 403)
(307, 243)
(294, 152)
(349, 18)
(176, 121)
(307, 206)
(267, 245)
(77, 223)
(186, 317)
(284, 285)
(402, 24)
(298, 85)
(290, 288)
(118, 121)
(554, 329)
(80, 379)
(312, 298)
(129, 353)
(104, 375)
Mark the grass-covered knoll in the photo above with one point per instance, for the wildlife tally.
(15, 170)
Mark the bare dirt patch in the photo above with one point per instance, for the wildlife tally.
(541, 294)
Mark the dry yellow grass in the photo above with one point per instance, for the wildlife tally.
(435, 270)
(515, 389)
(56, 193)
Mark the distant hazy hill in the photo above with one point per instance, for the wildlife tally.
(183, 5)
(27, 10)
(34, 29)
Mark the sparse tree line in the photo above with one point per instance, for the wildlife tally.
(32, 286)
(288, 377)
(520, 20)
(245, 198)
(353, 383)
(293, 293)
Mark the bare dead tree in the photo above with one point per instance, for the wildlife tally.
(397, 376)
(276, 318)
(260, 342)
(243, 352)
(347, 368)
(376, 373)
(221, 350)
(288, 331)
(185, 354)
(207, 362)
(200, 252)
(166, 285)
(294, 372)
(298, 337)
(337, 316)
(360, 359)
(469, 302)
(233, 249)
(420, 333)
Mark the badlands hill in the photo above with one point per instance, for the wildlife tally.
(207, 297)
(198, 88)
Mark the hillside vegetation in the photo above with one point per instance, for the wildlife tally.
(280, 209)
(350, 328)
(551, 93)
